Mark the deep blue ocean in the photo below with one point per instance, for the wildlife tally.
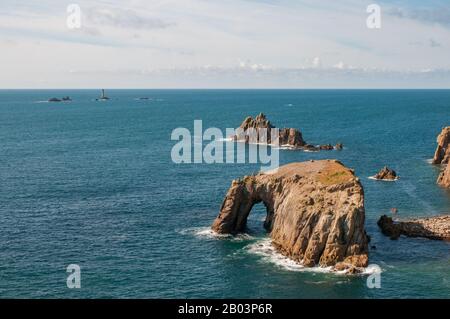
(92, 183)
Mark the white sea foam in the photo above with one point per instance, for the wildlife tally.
(429, 161)
(382, 180)
(208, 233)
(269, 254)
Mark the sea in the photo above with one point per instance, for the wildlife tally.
(93, 183)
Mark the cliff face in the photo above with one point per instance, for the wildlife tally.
(442, 154)
(444, 177)
(315, 213)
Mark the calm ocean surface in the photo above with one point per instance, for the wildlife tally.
(92, 183)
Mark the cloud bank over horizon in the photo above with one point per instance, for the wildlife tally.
(232, 44)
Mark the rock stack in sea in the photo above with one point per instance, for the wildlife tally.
(289, 137)
(315, 213)
(442, 156)
(386, 174)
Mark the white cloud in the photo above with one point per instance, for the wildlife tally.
(268, 39)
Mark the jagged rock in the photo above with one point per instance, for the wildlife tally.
(444, 177)
(339, 146)
(292, 137)
(287, 136)
(437, 228)
(442, 154)
(386, 174)
(315, 213)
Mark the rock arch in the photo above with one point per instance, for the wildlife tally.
(315, 212)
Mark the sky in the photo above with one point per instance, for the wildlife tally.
(224, 44)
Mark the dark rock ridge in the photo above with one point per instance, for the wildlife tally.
(315, 213)
(437, 228)
(442, 154)
(287, 136)
(386, 174)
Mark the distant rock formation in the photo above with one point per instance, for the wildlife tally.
(54, 99)
(386, 174)
(315, 213)
(437, 228)
(442, 154)
(290, 137)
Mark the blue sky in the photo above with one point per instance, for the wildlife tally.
(225, 44)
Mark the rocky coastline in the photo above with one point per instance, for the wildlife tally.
(436, 228)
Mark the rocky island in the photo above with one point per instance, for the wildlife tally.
(315, 213)
(437, 228)
(288, 137)
(386, 174)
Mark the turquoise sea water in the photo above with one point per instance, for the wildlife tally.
(92, 183)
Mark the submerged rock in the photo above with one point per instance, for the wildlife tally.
(437, 228)
(442, 154)
(315, 213)
(386, 174)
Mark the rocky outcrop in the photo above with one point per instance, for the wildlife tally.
(442, 154)
(289, 137)
(437, 228)
(386, 174)
(315, 213)
(444, 177)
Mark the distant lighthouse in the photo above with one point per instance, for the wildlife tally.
(103, 97)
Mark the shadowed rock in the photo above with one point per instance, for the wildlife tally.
(315, 213)
(437, 228)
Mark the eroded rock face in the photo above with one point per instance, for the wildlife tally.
(444, 177)
(286, 137)
(437, 228)
(386, 174)
(315, 213)
(442, 154)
